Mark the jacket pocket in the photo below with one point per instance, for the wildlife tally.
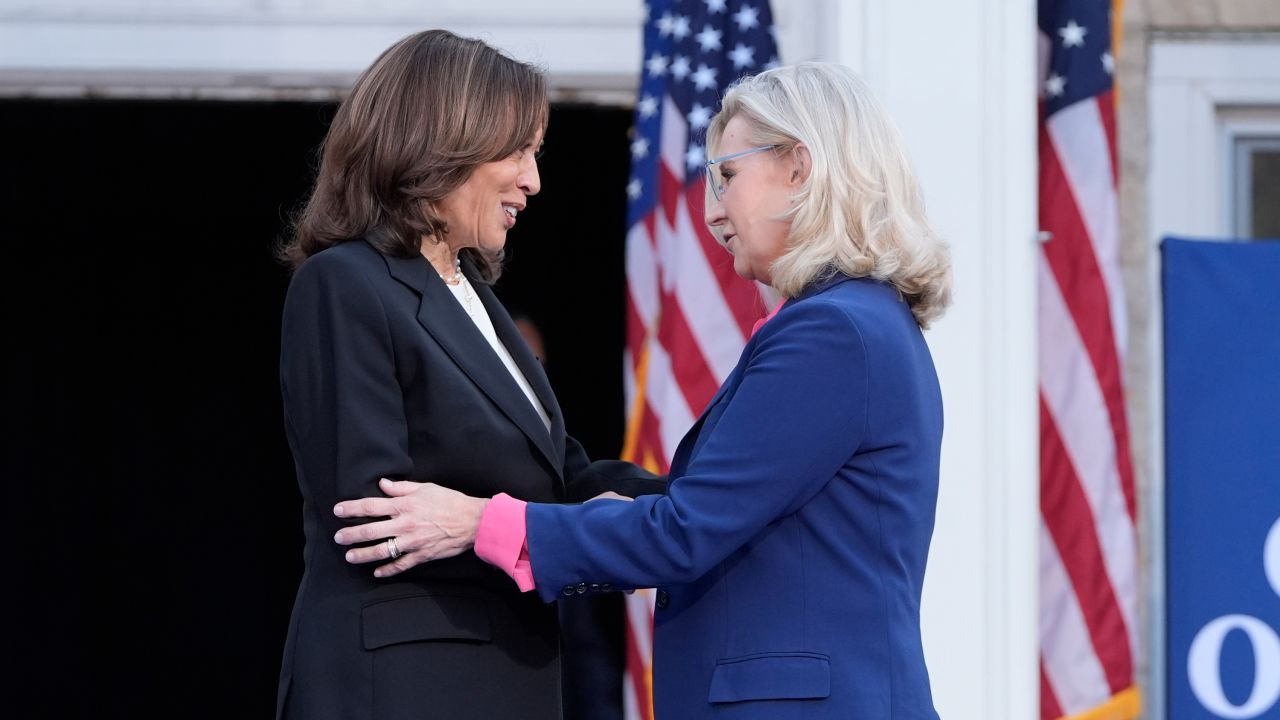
(424, 617)
(771, 676)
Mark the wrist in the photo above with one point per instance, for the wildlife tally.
(477, 514)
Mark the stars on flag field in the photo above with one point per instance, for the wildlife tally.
(672, 25)
(709, 38)
(742, 56)
(647, 107)
(657, 64)
(680, 68)
(704, 78)
(694, 157)
(699, 117)
(694, 50)
(1055, 85)
(1080, 64)
(1072, 35)
(747, 17)
(639, 148)
(680, 28)
(664, 24)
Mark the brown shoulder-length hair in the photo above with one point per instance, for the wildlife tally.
(430, 109)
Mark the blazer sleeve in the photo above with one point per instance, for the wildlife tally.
(343, 404)
(584, 479)
(798, 415)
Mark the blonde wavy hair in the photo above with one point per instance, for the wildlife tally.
(860, 211)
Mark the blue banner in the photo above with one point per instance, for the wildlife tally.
(1222, 477)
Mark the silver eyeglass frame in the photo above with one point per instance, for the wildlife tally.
(717, 189)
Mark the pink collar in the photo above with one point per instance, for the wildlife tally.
(760, 323)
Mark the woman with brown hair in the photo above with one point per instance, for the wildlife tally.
(398, 361)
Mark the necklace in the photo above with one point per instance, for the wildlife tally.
(467, 295)
(459, 281)
(457, 275)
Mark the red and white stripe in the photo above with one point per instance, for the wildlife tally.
(688, 317)
(1088, 558)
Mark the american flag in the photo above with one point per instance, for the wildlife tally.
(688, 314)
(1088, 546)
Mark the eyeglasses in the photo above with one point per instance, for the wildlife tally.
(714, 180)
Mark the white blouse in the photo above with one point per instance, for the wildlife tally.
(470, 302)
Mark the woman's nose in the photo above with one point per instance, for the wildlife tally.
(529, 179)
(714, 211)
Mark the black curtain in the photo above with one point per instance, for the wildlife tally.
(154, 517)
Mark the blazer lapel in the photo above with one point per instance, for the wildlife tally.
(690, 442)
(515, 343)
(448, 324)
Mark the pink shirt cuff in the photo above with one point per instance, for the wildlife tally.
(501, 539)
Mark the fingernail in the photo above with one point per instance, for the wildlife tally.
(377, 573)
(337, 510)
(384, 481)
(337, 537)
(348, 556)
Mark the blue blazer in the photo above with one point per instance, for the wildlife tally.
(790, 549)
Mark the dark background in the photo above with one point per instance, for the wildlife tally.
(153, 515)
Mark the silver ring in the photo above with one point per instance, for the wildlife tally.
(393, 548)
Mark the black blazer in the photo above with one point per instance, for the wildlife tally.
(384, 375)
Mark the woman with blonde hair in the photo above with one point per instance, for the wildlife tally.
(790, 549)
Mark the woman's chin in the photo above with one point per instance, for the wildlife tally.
(493, 246)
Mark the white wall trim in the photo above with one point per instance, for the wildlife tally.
(286, 55)
(1011, 251)
(298, 48)
(1237, 123)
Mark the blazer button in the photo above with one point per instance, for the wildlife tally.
(606, 587)
(663, 598)
(595, 587)
(567, 590)
(582, 587)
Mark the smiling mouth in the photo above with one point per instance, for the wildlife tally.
(512, 211)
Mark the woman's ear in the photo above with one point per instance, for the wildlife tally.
(801, 164)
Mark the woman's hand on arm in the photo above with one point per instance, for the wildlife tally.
(427, 521)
